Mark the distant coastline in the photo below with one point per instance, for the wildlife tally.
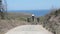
(36, 12)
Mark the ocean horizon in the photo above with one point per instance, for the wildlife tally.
(35, 12)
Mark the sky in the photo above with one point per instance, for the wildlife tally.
(32, 4)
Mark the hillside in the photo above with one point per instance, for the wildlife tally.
(52, 21)
(14, 20)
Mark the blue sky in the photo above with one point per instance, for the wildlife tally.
(32, 4)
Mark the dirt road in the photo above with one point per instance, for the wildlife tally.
(29, 29)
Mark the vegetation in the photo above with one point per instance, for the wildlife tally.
(41, 18)
(51, 21)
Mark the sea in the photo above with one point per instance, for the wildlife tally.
(35, 12)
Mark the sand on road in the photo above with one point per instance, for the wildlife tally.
(29, 29)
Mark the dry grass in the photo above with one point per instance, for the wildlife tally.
(6, 25)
